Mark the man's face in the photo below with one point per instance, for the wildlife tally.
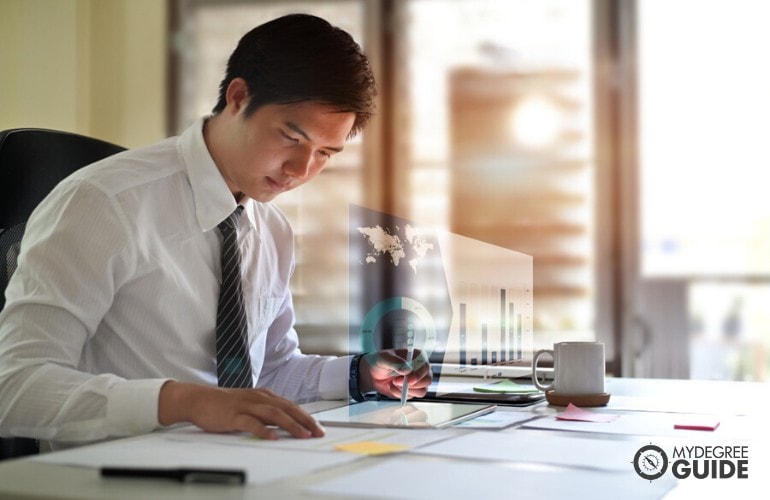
(280, 147)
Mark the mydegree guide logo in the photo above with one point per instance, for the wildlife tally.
(693, 461)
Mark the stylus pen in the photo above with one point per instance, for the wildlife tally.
(409, 356)
(183, 475)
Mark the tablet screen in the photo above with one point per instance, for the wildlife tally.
(392, 414)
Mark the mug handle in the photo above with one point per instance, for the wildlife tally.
(535, 381)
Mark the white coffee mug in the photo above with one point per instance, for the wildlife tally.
(578, 368)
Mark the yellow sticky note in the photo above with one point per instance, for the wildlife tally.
(371, 448)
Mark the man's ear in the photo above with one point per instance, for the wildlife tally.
(237, 95)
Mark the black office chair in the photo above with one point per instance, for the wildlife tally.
(32, 162)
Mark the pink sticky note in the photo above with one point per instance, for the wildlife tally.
(698, 423)
(574, 413)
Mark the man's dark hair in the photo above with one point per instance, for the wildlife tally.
(298, 58)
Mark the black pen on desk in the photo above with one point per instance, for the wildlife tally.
(182, 474)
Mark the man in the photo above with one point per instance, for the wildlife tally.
(110, 320)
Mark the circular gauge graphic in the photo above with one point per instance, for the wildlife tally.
(418, 325)
(650, 462)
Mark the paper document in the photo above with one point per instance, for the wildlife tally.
(535, 447)
(421, 478)
(497, 420)
(261, 464)
(656, 424)
(335, 438)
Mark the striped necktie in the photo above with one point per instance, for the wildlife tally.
(233, 361)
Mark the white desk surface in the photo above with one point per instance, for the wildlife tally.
(27, 479)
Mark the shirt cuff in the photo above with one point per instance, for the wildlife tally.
(132, 406)
(333, 383)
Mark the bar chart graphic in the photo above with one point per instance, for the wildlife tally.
(494, 337)
(492, 301)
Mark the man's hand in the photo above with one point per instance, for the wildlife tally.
(214, 409)
(384, 372)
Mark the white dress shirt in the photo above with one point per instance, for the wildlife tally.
(116, 293)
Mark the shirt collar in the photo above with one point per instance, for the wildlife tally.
(212, 198)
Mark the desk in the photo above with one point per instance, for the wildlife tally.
(745, 403)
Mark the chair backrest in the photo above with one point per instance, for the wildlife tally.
(32, 162)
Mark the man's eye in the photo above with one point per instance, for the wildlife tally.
(289, 138)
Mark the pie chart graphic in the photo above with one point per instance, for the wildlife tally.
(416, 322)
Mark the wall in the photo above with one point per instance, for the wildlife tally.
(95, 67)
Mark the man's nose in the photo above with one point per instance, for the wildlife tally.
(299, 165)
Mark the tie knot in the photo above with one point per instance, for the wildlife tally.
(232, 219)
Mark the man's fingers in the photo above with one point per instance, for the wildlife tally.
(419, 381)
(258, 419)
(304, 419)
(288, 416)
(258, 411)
(255, 427)
(420, 378)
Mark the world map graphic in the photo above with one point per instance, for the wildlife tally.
(397, 244)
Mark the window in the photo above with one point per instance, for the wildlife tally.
(493, 101)
(704, 219)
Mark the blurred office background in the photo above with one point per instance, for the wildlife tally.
(621, 143)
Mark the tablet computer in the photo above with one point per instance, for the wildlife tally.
(416, 414)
